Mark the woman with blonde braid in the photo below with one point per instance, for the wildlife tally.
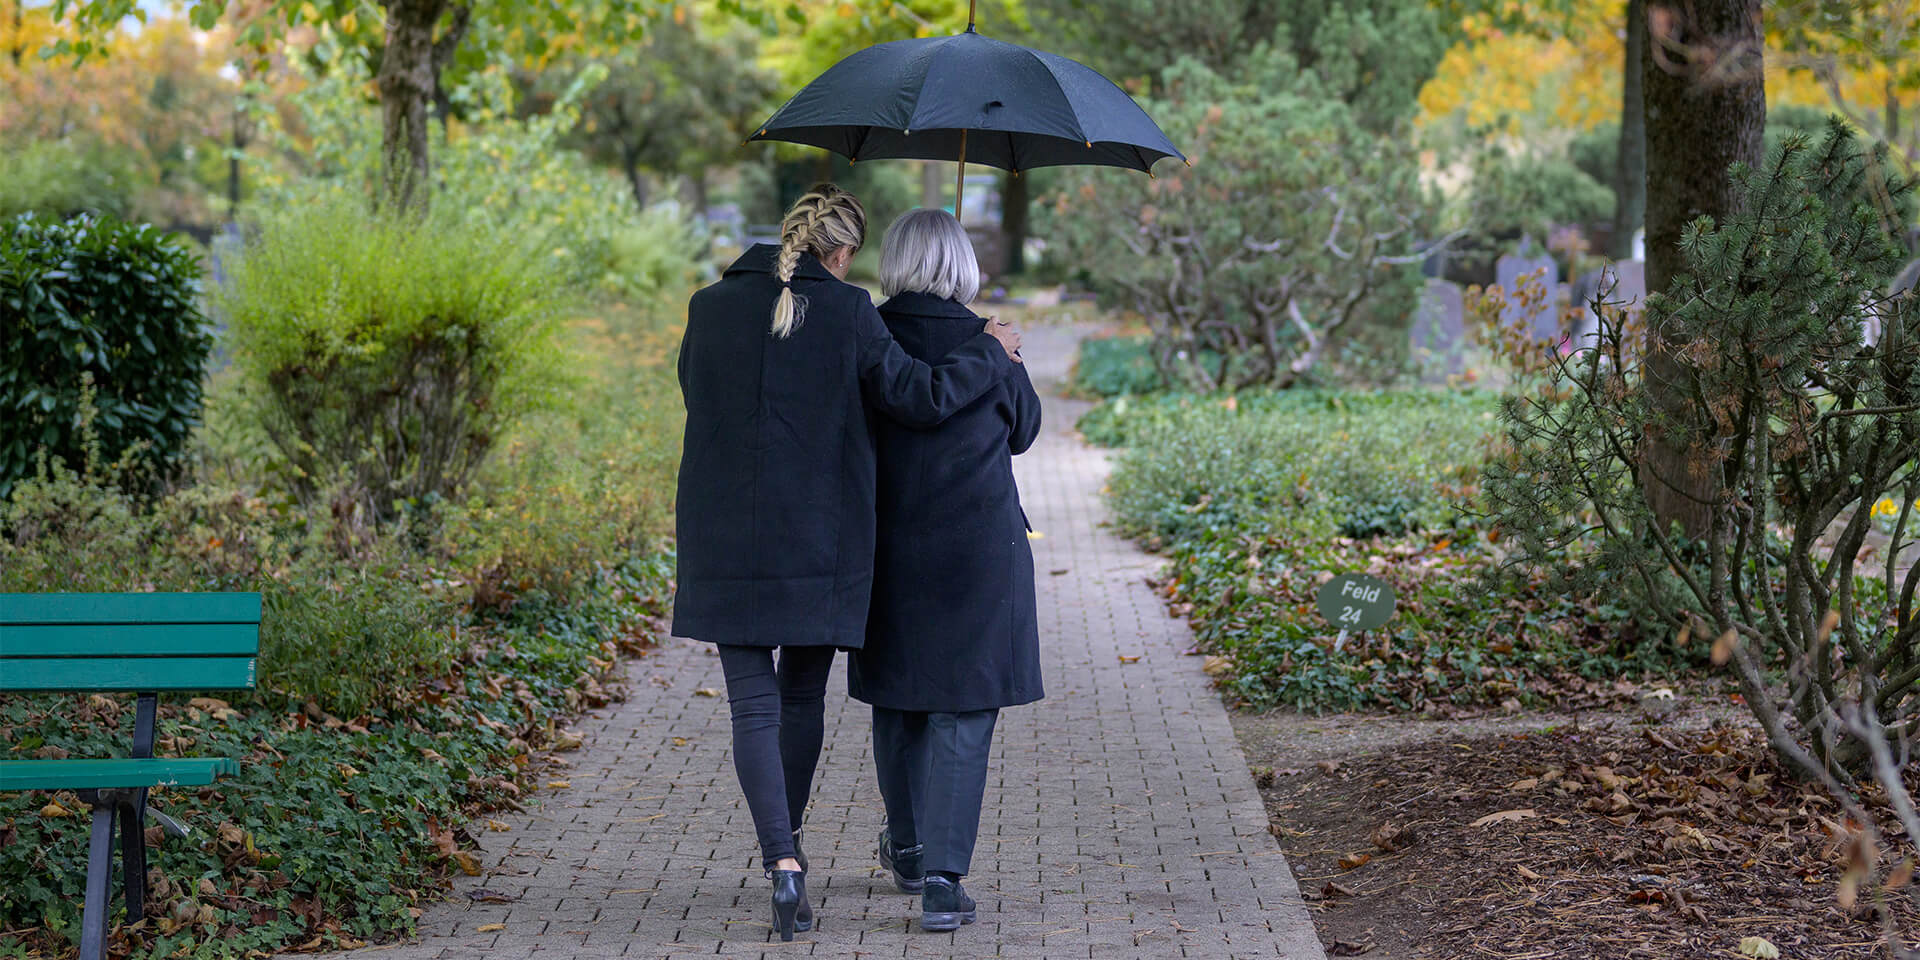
(780, 363)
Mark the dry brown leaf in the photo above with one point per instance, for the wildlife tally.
(1521, 786)
(1354, 861)
(1760, 948)
(469, 864)
(1216, 665)
(497, 826)
(1723, 648)
(1505, 816)
(53, 810)
(1900, 876)
(1388, 837)
(566, 740)
(1827, 623)
(559, 784)
(1130, 658)
(1529, 874)
(492, 927)
(706, 691)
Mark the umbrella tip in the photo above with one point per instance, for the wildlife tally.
(1186, 161)
(1089, 144)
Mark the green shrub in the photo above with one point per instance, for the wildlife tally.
(1320, 462)
(1246, 267)
(1256, 498)
(389, 355)
(60, 179)
(1115, 366)
(100, 312)
(1514, 195)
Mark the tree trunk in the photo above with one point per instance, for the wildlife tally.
(930, 182)
(1014, 202)
(408, 79)
(1630, 176)
(1706, 106)
(630, 162)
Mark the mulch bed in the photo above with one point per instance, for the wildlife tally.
(1617, 842)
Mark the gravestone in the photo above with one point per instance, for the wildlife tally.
(1906, 282)
(1543, 320)
(1439, 333)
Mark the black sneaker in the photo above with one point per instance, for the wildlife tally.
(945, 905)
(905, 864)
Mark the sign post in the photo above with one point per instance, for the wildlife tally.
(1354, 601)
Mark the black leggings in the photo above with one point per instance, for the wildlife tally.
(778, 726)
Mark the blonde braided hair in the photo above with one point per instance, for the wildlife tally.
(823, 221)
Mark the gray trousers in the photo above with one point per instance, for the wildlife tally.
(933, 769)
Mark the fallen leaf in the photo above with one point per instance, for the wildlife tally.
(1130, 658)
(1338, 890)
(706, 691)
(1505, 816)
(1349, 948)
(469, 864)
(1354, 861)
(680, 741)
(1328, 766)
(566, 740)
(1521, 786)
(1723, 648)
(559, 784)
(1060, 572)
(1216, 665)
(1388, 837)
(497, 826)
(1760, 948)
(231, 833)
(492, 927)
(1529, 874)
(53, 810)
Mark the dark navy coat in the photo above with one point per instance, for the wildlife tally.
(952, 624)
(775, 511)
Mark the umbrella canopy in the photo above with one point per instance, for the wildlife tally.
(970, 98)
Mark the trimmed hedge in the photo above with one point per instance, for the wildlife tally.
(100, 333)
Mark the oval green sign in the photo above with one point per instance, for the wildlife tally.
(1355, 601)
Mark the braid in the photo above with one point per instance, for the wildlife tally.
(824, 220)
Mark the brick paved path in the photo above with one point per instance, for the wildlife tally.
(1120, 820)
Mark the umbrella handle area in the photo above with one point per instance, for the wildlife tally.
(960, 178)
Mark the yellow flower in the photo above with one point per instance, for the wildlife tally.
(1886, 506)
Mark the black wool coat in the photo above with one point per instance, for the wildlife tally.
(952, 625)
(775, 509)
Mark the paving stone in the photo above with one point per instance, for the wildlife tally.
(1120, 820)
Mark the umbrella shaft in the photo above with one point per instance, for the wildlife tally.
(960, 178)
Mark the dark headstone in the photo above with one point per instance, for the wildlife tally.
(1439, 334)
(1509, 272)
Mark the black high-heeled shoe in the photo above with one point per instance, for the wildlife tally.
(789, 898)
(803, 921)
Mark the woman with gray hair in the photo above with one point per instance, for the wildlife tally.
(951, 632)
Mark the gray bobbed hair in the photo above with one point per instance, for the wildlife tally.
(927, 251)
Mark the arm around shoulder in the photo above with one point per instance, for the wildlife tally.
(922, 395)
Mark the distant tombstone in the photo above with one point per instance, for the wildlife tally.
(1907, 282)
(1439, 331)
(1543, 319)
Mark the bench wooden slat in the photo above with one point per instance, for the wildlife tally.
(113, 774)
(129, 640)
(130, 674)
(76, 608)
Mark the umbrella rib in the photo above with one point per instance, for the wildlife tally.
(1079, 127)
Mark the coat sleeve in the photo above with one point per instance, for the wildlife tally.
(914, 393)
(1026, 411)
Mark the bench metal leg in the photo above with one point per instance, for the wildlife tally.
(133, 854)
(93, 921)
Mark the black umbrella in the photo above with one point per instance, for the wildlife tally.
(970, 98)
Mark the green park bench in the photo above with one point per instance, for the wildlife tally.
(139, 643)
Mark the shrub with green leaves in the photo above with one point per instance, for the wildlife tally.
(1290, 239)
(388, 354)
(99, 313)
(1255, 498)
(61, 178)
(1115, 366)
